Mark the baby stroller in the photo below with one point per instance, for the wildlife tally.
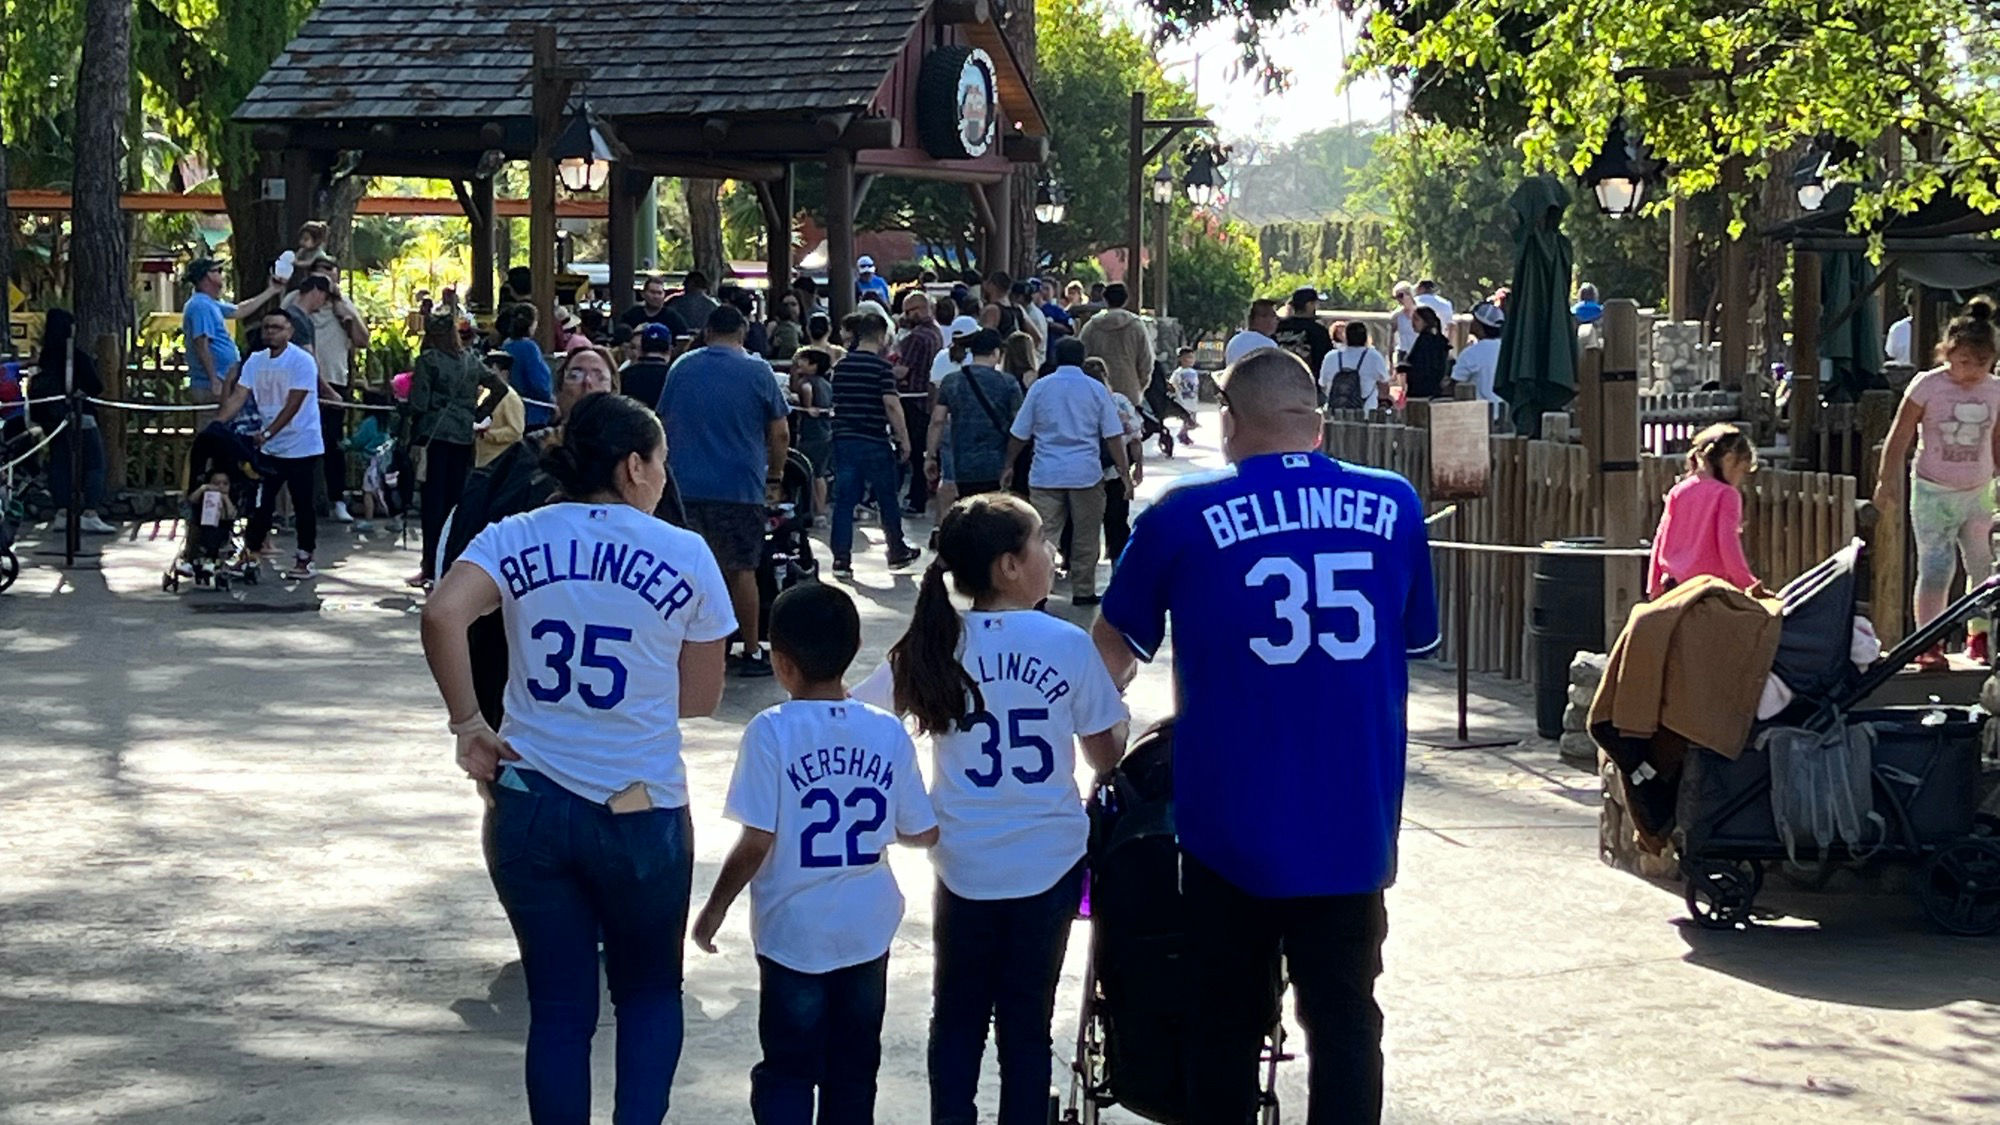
(12, 510)
(1919, 768)
(1129, 1036)
(787, 557)
(212, 556)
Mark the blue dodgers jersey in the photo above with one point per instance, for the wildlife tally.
(1297, 587)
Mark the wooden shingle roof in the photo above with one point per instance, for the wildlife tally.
(380, 60)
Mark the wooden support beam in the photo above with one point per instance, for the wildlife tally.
(548, 94)
(479, 212)
(1805, 355)
(714, 132)
(1000, 198)
(627, 189)
(1624, 507)
(873, 132)
(840, 233)
(1679, 251)
(1135, 196)
(831, 126)
(962, 11)
(777, 202)
(1025, 150)
(864, 182)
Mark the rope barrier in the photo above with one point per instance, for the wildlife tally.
(185, 407)
(37, 448)
(1502, 549)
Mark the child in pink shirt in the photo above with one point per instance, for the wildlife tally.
(1702, 530)
(1950, 412)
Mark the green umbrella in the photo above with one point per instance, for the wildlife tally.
(1538, 350)
(1853, 348)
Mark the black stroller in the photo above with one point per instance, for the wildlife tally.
(1923, 770)
(1129, 1035)
(787, 556)
(211, 557)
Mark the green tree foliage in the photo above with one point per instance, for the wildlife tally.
(1211, 276)
(1312, 177)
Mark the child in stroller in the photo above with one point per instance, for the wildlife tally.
(226, 466)
(787, 557)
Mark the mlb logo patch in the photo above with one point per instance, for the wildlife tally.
(1297, 460)
(600, 513)
(993, 624)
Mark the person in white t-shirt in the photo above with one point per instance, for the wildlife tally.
(1429, 297)
(1403, 321)
(1896, 347)
(1187, 378)
(1354, 377)
(822, 785)
(1480, 360)
(1256, 334)
(1006, 693)
(284, 381)
(615, 623)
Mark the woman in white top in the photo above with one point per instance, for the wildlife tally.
(1353, 377)
(615, 625)
(1006, 692)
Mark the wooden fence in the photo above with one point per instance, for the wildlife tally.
(1543, 490)
(157, 444)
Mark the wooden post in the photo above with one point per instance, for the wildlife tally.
(547, 98)
(1589, 417)
(479, 294)
(778, 238)
(1000, 201)
(1135, 188)
(840, 233)
(1926, 328)
(1888, 546)
(1735, 323)
(1624, 509)
(1677, 262)
(622, 248)
(1805, 354)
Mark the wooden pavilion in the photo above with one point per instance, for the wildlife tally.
(450, 89)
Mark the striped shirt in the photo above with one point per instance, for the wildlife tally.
(860, 380)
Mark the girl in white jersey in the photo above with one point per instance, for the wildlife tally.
(1006, 692)
(615, 624)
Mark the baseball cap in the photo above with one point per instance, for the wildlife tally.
(655, 333)
(199, 268)
(1489, 314)
(865, 264)
(1303, 296)
(962, 327)
(875, 310)
(984, 342)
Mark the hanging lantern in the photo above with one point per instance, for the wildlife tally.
(1204, 180)
(1051, 202)
(1620, 173)
(583, 157)
(1163, 186)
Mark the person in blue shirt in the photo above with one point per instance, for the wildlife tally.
(868, 284)
(530, 374)
(1587, 309)
(1293, 582)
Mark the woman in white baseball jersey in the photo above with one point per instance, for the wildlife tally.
(615, 625)
(1006, 692)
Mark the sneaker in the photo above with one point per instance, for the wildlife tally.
(754, 667)
(363, 527)
(94, 526)
(843, 568)
(60, 521)
(302, 569)
(340, 512)
(1977, 649)
(904, 557)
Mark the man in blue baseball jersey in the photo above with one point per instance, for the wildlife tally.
(1298, 587)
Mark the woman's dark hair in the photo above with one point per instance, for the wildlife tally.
(1426, 319)
(441, 332)
(944, 310)
(862, 327)
(1357, 334)
(781, 313)
(931, 684)
(819, 359)
(1019, 359)
(58, 325)
(600, 432)
(818, 327)
(817, 628)
(518, 322)
(1972, 330)
(1713, 444)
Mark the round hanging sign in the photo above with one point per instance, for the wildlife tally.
(958, 104)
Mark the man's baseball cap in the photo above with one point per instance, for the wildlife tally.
(962, 327)
(200, 268)
(656, 333)
(1304, 296)
(866, 264)
(1489, 314)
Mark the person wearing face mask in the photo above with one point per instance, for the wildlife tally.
(618, 621)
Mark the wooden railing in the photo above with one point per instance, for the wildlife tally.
(1543, 490)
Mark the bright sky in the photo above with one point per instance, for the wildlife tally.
(1312, 47)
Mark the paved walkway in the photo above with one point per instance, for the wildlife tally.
(240, 882)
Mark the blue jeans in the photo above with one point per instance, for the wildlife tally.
(858, 464)
(998, 962)
(818, 1030)
(566, 870)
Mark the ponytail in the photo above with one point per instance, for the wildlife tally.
(600, 433)
(1711, 445)
(1972, 330)
(931, 683)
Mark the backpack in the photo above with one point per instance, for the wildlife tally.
(1344, 391)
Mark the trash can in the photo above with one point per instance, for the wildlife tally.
(1565, 617)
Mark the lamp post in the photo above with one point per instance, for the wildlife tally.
(1140, 155)
(1051, 203)
(1620, 172)
(1163, 213)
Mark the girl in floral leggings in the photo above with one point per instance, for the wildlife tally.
(1950, 412)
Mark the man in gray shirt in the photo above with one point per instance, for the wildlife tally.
(977, 402)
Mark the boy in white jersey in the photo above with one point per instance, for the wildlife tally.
(822, 784)
(1006, 692)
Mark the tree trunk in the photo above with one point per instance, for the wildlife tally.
(704, 202)
(6, 257)
(347, 193)
(1019, 28)
(102, 266)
